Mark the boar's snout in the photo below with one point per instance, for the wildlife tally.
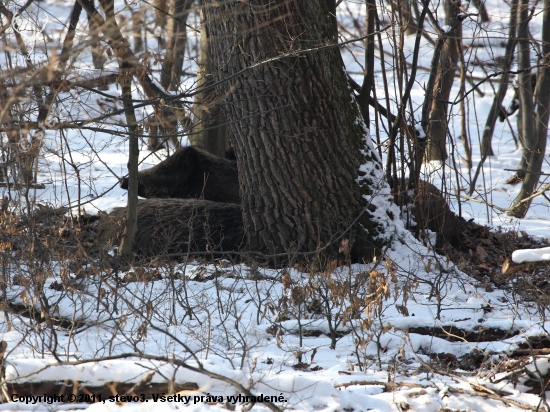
(124, 183)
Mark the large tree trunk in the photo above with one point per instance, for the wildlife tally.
(307, 176)
(331, 8)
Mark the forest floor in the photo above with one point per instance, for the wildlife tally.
(439, 340)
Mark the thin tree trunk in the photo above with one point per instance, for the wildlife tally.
(463, 117)
(137, 23)
(368, 78)
(210, 131)
(496, 108)
(161, 18)
(483, 15)
(331, 8)
(527, 128)
(26, 158)
(407, 17)
(125, 248)
(97, 55)
(298, 137)
(486, 147)
(125, 80)
(435, 149)
(521, 205)
(172, 66)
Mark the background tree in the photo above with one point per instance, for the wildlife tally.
(535, 111)
(368, 78)
(171, 71)
(210, 130)
(125, 65)
(441, 81)
(526, 120)
(497, 110)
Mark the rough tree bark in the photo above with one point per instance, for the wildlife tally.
(308, 179)
(210, 129)
(331, 8)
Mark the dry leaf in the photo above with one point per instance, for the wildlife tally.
(481, 253)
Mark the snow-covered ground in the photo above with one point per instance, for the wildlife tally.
(248, 330)
(267, 330)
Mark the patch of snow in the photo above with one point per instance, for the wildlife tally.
(531, 255)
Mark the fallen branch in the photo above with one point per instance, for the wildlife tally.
(142, 384)
(506, 401)
(388, 386)
(524, 171)
(485, 392)
(479, 390)
(484, 202)
(23, 186)
(455, 334)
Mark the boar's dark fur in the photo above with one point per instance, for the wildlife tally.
(178, 226)
(432, 212)
(190, 173)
